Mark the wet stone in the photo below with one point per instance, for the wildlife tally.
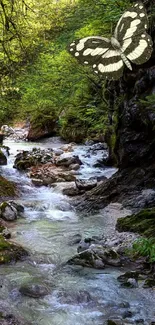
(34, 290)
(80, 297)
(75, 239)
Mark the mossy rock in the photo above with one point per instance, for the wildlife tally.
(24, 164)
(10, 252)
(7, 188)
(142, 223)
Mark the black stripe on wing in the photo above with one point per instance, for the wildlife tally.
(111, 68)
(139, 50)
(88, 50)
(132, 23)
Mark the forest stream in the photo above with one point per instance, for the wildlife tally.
(76, 295)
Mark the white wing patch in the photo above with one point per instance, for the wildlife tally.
(135, 54)
(97, 51)
(110, 67)
(133, 27)
(130, 14)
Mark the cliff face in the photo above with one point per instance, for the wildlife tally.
(135, 133)
(134, 183)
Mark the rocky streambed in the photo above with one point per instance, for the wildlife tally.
(74, 269)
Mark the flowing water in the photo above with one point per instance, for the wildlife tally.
(49, 223)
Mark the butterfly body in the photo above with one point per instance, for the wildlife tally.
(129, 43)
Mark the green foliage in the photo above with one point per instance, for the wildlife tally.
(145, 247)
(52, 86)
(149, 101)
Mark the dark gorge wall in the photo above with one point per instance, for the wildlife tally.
(135, 131)
(133, 184)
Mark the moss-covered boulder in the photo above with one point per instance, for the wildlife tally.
(142, 223)
(10, 252)
(7, 188)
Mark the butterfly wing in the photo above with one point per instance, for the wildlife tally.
(130, 31)
(88, 50)
(99, 53)
(132, 23)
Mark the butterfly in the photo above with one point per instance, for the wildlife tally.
(130, 43)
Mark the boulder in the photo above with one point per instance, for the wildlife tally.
(96, 256)
(10, 252)
(10, 210)
(35, 157)
(85, 185)
(75, 239)
(72, 191)
(99, 146)
(34, 290)
(87, 258)
(47, 175)
(67, 160)
(37, 132)
(80, 297)
(7, 130)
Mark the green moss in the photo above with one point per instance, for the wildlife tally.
(3, 206)
(142, 223)
(24, 164)
(7, 188)
(9, 251)
(4, 244)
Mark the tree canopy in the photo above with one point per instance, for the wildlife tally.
(39, 79)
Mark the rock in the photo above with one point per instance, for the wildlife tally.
(130, 283)
(149, 283)
(68, 147)
(128, 275)
(48, 174)
(8, 212)
(115, 322)
(83, 245)
(87, 258)
(7, 189)
(75, 239)
(37, 181)
(36, 132)
(142, 222)
(6, 233)
(58, 152)
(35, 157)
(72, 191)
(18, 206)
(80, 297)
(74, 167)
(99, 146)
(7, 130)
(66, 161)
(89, 142)
(3, 159)
(84, 185)
(10, 252)
(34, 290)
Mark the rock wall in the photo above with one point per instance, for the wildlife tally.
(135, 132)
